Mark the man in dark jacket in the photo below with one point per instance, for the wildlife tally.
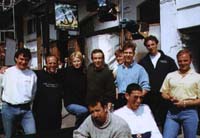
(47, 105)
(100, 80)
(157, 65)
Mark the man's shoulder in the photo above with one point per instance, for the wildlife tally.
(166, 57)
(172, 74)
(11, 68)
(145, 59)
(120, 111)
(31, 72)
(118, 120)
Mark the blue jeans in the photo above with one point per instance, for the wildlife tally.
(188, 118)
(10, 115)
(79, 111)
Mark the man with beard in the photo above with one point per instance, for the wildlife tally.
(101, 123)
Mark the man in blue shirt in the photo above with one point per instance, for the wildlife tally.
(130, 72)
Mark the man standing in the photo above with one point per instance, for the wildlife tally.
(182, 89)
(100, 80)
(101, 123)
(137, 115)
(157, 65)
(19, 87)
(130, 72)
(47, 106)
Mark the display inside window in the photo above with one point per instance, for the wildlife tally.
(66, 16)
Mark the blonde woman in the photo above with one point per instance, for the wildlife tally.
(75, 88)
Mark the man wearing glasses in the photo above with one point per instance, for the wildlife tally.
(137, 115)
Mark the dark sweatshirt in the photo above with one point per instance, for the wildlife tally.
(100, 83)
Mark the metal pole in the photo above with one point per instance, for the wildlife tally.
(122, 29)
(14, 20)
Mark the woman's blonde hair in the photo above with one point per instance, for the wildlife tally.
(76, 54)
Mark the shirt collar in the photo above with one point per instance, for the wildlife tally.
(130, 66)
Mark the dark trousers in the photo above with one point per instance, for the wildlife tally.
(158, 106)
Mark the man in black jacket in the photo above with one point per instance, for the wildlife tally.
(157, 65)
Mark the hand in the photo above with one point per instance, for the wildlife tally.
(174, 99)
(180, 104)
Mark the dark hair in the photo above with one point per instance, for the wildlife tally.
(129, 44)
(97, 51)
(133, 87)
(24, 51)
(152, 38)
(93, 101)
(184, 51)
(118, 52)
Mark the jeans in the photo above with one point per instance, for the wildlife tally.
(10, 116)
(79, 111)
(188, 118)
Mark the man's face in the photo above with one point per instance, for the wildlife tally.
(152, 47)
(128, 55)
(98, 113)
(52, 64)
(22, 62)
(76, 62)
(134, 99)
(120, 58)
(184, 62)
(98, 60)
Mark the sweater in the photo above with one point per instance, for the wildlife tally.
(115, 127)
(74, 86)
(100, 83)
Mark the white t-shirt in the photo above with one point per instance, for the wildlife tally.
(154, 59)
(140, 120)
(19, 86)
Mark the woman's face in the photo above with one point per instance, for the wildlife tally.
(76, 62)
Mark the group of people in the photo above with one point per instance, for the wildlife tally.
(34, 98)
(152, 98)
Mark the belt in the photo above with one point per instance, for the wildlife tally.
(25, 106)
(144, 135)
(173, 107)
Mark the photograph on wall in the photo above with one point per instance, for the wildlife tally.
(66, 16)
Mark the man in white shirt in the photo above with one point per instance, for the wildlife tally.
(19, 87)
(137, 115)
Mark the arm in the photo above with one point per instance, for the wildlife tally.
(144, 80)
(110, 90)
(34, 87)
(78, 134)
(83, 130)
(187, 103)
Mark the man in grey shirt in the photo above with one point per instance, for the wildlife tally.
(101, 123)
